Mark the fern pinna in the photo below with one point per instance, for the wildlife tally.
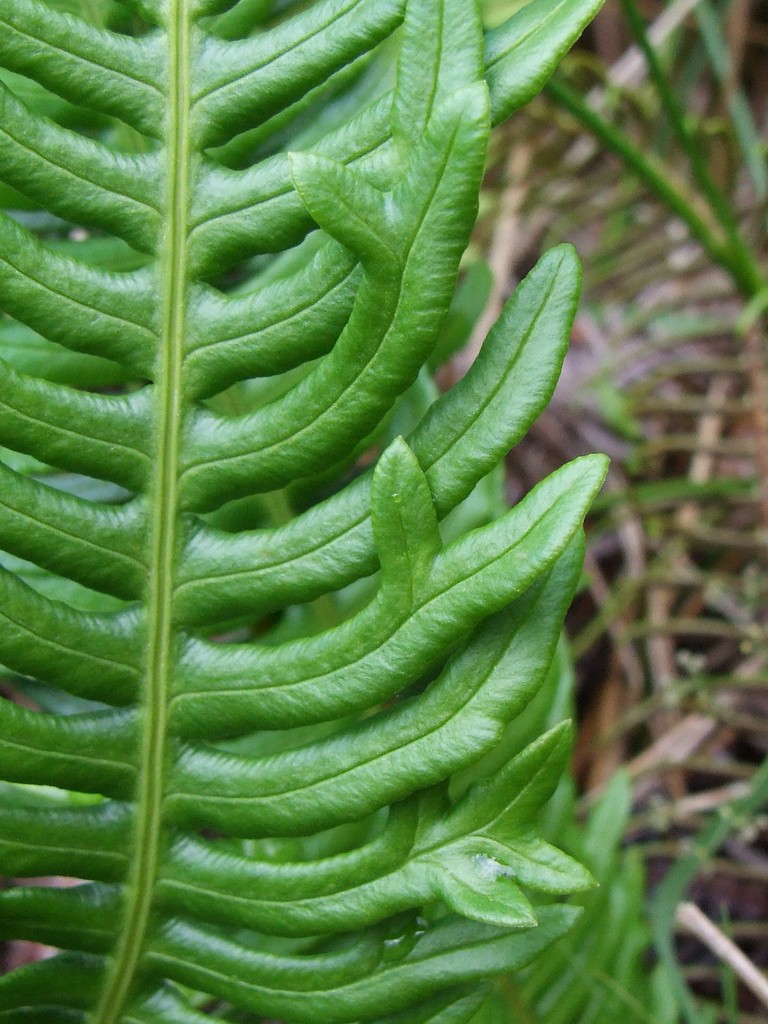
(231, 245)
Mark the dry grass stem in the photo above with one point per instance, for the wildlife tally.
(698, 924)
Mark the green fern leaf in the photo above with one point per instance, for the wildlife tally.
(259, 668)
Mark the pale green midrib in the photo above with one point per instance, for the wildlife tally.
(164, 501)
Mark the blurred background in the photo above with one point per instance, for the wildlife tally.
(649, 151)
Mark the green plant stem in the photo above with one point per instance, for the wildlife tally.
(161, 639)
(741, 266)
(676, 114)
(751, 143)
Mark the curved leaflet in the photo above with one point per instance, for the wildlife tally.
(239, 261)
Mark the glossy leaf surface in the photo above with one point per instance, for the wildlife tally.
(258, 665)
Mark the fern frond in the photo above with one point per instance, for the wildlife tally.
(265, 822)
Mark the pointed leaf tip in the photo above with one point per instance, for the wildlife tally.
(343, 203)
(594, 469)
(478, 886)
(397, 469)
(404, 518)
(566, 254)
(523, 52)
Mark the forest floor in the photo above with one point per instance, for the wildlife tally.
(668, 374)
